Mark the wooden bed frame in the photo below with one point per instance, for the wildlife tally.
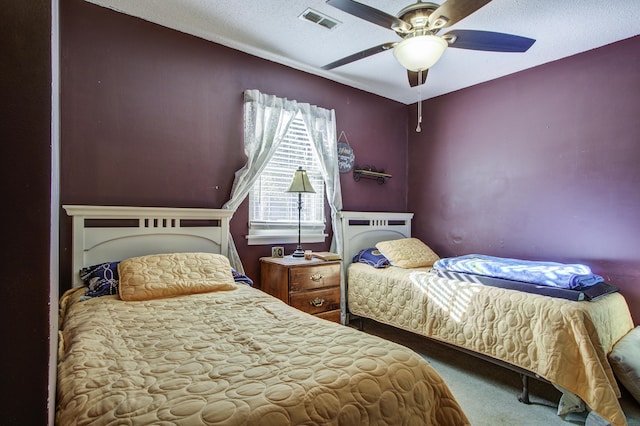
(113, 233)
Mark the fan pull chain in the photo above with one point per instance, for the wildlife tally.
(418, 129)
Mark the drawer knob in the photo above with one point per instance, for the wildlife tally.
(316, 277)
(317, 302)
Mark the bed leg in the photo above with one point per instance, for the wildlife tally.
(524, 397)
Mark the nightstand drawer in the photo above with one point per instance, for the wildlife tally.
(333, 316)
(314, 277)
(316, 301)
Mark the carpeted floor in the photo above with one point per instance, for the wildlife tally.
(488, 393)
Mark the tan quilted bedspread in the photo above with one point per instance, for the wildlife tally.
(562, 341)
(237, 357)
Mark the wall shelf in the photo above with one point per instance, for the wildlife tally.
(370, 173)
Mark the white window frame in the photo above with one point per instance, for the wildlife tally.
(269, 201)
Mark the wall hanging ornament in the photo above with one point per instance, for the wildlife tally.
(346, 157)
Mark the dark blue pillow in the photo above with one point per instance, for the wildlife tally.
(101, 279)
(372, 257)
(241, 278)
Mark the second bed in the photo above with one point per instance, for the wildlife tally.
(564, 342)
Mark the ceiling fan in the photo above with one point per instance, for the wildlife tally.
(418, 25)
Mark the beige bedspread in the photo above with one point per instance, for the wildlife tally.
(235, 357)
(562, 341)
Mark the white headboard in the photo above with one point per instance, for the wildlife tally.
(361, 230)
(113, 233)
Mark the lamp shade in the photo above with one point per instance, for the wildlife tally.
(419, 52)
(300, 182)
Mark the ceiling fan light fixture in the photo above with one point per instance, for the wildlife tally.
(420, 52)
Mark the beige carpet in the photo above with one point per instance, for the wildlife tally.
(488, 393)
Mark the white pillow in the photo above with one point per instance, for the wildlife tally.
(625, 361)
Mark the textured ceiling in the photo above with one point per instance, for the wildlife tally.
(272, 29)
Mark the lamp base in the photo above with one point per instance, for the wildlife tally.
(298, 253)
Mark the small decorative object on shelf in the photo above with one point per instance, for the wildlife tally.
(369, 172)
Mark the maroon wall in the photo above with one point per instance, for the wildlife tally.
(25, 90)
(153, 117)
(542, 164)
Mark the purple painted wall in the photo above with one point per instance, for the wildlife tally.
(153, 117)
(542, 164)
(539, 164)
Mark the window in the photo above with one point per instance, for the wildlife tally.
(273, 212)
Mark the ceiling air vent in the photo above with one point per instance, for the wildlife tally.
(319, 18)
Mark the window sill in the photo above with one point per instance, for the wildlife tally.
(254, 240)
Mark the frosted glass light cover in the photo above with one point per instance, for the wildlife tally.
(419, 52)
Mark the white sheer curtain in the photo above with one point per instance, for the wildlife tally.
(321, 124)
(266, 120)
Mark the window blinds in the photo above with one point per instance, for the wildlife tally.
(271, 207)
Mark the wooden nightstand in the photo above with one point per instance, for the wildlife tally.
(313, 286)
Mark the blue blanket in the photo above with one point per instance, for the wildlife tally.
(569, 276)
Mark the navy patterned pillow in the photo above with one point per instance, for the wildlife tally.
(101, 279)
(372, 257)
(241, 278)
